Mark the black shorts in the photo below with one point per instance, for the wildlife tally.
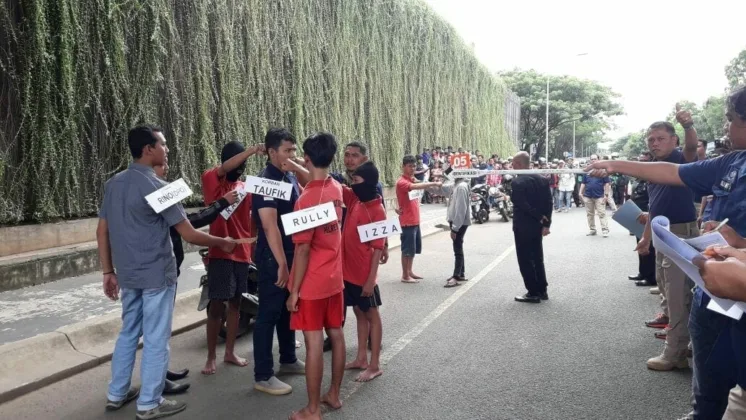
(226, 279)
(353, 297)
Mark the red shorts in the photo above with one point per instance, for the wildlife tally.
(315, 315)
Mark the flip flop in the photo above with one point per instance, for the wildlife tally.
(410, 281)
(449, 284)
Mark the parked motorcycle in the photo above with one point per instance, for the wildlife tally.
(480, 207)
(249, 301)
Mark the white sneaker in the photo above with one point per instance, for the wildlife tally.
(655, 291)
(273, 386)
(606, 234)
(297, 368)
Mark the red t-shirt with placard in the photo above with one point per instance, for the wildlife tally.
(323, 277)
(238, 225)
(357, 254)
(410, 209)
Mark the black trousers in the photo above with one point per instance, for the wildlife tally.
(646, 265)
(576, 195)
(458, 252)
(530, 252)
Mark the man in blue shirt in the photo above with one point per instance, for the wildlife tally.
(594, 190)
(134, 240)
(719, 342)
(274, 258)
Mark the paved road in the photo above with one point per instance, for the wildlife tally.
(464, 353)
(39, 309)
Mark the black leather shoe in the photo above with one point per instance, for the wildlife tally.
(645, 283)
(528, 298)
(544, 296)
(173, 388)
(636, 277)
(175, 375)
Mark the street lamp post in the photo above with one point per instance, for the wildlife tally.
(546, 127)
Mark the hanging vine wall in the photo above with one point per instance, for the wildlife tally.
(76, 74)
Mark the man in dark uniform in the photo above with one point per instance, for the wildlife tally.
(532, 201)
(646, 270)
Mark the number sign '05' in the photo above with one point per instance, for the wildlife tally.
(459, 161)
(379, 230)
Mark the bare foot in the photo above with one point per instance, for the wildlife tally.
(210, 367)
(368, 375)
(332, 400)
(415, 276)
(409, 281)
(357, 364)
(235, 360)
(305, 414)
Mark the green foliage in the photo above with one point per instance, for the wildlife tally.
(735, 71)
(709, 119)
(75, 75)
(631, 145)
(569, 99)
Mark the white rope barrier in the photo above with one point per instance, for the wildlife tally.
(476, 173)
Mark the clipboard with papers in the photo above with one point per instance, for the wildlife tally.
(682, 252)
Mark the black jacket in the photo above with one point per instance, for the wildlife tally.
(198, 220)
(532, 204)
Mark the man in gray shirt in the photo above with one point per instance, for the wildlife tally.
(134, 239)
(459, 218)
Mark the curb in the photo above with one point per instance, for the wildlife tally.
(33, 363)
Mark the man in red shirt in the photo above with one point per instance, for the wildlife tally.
(360, 267)
(409, 216)
(227, 274)
(316, 299)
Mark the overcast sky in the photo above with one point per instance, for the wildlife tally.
(652, 52)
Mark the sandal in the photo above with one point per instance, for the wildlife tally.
(452, 282)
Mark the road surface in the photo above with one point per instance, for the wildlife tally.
(469, 352)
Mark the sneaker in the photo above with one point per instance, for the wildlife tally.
(663, 363)
(133, 393)
(167, 408)
(660, 321)
(689, 416)
(297, 368)
(591, 233)
(606, 234)
(655, 291)
(273, 386)
(662, 334)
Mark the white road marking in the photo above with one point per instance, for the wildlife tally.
(391, 352)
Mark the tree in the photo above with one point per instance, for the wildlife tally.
(709, 119)
(630, 145)
(736, 70)
(570, 99)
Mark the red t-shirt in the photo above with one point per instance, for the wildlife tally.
(358, 255)
(410, 209)
(323, 277)
(238, 225)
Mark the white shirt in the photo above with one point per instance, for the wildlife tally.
(566, 182)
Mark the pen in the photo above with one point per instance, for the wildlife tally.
(720, 226)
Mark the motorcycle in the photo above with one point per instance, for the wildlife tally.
(480, 207)
(501, 202)
(248, 308)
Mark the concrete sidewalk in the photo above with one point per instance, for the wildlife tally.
(68, 326)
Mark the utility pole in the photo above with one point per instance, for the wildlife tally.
(546, 127)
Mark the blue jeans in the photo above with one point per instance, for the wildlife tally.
(714, 369)
(146, 313)
(272, 315)
(564, 199)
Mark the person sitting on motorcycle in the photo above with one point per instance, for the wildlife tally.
(198, 220)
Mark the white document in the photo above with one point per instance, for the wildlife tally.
(682, 254)
(268, 187)
(700, 243)
(416, 194)
(378, 230)
(169, 195)
(309, 218)
(228, 212)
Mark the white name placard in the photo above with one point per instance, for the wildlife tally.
(169, 195)
(268, 187)
(229, 211)
(379, 230)
(309, 218)
(416, 194)
(468, 173)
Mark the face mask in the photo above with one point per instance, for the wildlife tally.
(235, 174)
(365, 192)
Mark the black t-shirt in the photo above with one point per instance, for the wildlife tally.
(282, 206)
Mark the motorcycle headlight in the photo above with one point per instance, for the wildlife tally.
(493, 190)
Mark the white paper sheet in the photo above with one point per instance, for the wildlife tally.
(682, 254)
